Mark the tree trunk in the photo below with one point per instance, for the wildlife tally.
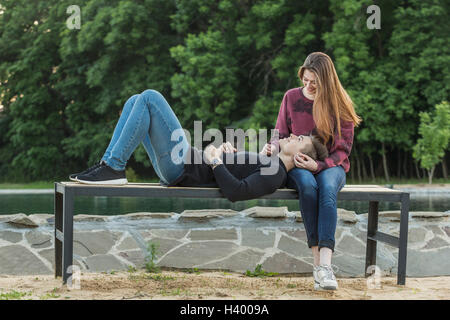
(417, 169)
(444, 168)
(430, 174)
(385, 167)
(372, 172)
(399, 162)
(405, 164)
(352, 168)
(363, 166)
(358, 166)
(410, 167)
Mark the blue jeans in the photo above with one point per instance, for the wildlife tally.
(148, 118)
(318, 202)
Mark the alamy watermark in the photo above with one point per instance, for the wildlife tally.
(74, 21)
(374, 20)
(74, 281)
(374, 280)
(237, 138)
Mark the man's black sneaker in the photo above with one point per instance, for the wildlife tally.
(104, 174)
(73, 176)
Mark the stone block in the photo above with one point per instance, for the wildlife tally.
(239, 262)
(198, 253)
(164, 245)
(283, 263)
(436, 242)
(349, 266)
(347, 216)
(149, 215)
(18, 260)
(21, 220)
(416, 235)
(257, 238)
(266, 212)
(104, 262)
(293, 247)
(427, 214)
(128, 244)
(11, 236)
(351, 245)
(87, 243)
(298, 216)
(427, 263)
(38, 239)
(49, 255)
(90, 217)
(214, 234)
(135, 257)
(164, 233)
(298, 233)
(207, 213)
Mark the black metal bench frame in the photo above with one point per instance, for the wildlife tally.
(65, 193)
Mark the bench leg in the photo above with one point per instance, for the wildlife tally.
(403, 240)
(372, 228)
(67, 252)
(58, 227)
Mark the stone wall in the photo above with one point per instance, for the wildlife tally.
(221, 240)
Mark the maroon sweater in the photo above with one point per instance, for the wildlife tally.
(295, 117)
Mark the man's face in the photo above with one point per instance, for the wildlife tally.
(293, 144)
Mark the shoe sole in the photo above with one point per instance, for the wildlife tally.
(318, 287)
(73, 179)
(108, 182)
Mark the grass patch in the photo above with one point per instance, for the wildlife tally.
(259, 272)
(14, 295)
(192, 270)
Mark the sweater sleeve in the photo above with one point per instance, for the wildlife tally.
(251, 187)
(341, 148)
(282, 123)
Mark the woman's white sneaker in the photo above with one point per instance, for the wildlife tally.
(316, 277)
(326, 278)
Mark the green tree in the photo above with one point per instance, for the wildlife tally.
(434, 138)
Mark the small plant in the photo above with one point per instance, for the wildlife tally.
(192, 270)
(13, 295)
(259, 272)
(150, 265)
(158, 277)
(51, 295)
(131, 269)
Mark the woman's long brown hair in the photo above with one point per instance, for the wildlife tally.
(331, 101)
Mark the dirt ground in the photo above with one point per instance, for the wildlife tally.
(172, 285)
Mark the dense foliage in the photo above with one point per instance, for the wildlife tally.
(225, 62)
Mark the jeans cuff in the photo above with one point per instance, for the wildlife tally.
(326, 244)
(312, 243)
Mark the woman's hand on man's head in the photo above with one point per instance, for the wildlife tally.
(304, 161)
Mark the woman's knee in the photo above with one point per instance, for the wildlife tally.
(303, 180)
(129, 103)
(151, 93)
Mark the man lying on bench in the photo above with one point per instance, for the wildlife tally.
(148, 118)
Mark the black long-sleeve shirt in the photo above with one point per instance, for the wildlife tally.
(242, 176)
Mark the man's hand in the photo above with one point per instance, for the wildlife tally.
(227, 147)
(268, 149)
(305, 162)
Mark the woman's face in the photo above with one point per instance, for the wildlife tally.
(309, 80)
(294, 144)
